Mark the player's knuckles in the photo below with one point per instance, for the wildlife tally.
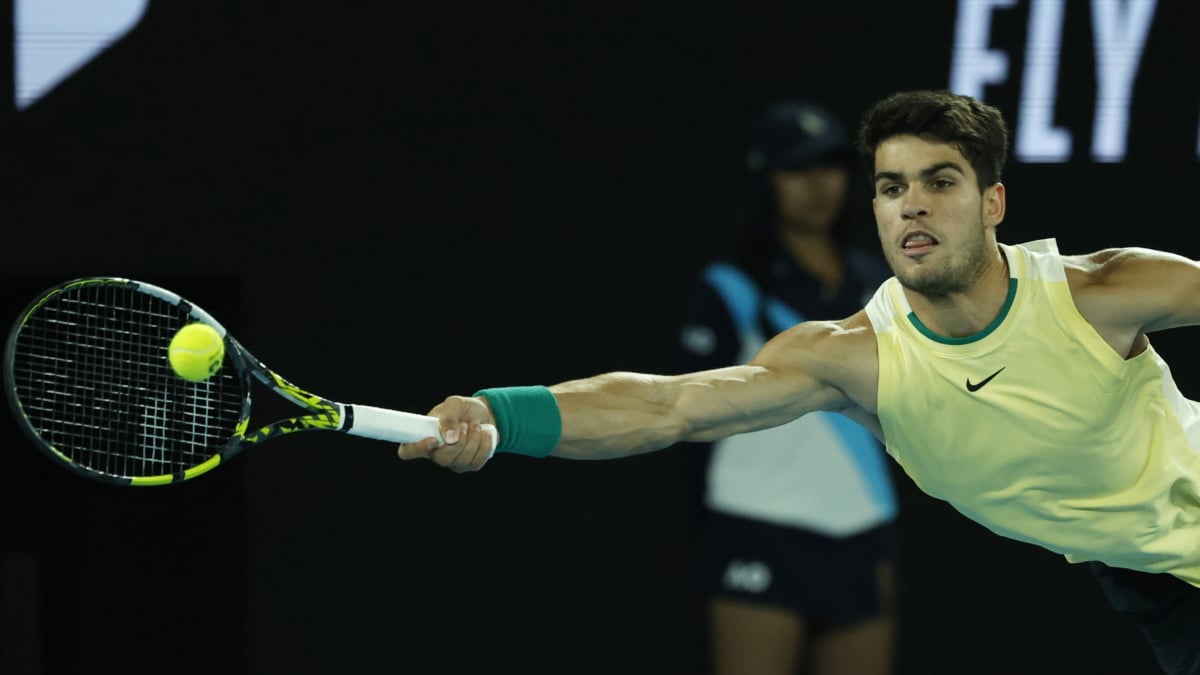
(447, 409)
(455, 407)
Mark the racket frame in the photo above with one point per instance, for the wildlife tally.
(323, 414)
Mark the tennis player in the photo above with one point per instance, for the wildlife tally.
(1016, 383)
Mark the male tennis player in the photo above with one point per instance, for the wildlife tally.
(1015, 383)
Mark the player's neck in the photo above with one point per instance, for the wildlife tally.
(967, 313)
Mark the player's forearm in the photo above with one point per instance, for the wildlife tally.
(622, 414)
(616, 415)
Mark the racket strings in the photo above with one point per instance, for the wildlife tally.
(91, 374)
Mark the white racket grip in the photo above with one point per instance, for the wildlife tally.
(402, 427)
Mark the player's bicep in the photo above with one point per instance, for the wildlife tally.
(623, 413)
(739, 399)
(794, 374)
(783, 381)
(1146, 289)
(1178, 279)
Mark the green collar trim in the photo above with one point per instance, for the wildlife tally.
(1008, 302)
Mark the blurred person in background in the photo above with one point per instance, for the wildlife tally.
(797, 536)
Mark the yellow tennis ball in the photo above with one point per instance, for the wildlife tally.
(196, 352)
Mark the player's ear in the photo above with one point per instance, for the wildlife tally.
(994, 204)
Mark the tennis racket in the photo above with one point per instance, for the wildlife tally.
(88, 379)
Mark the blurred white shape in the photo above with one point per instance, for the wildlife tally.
(54, 38)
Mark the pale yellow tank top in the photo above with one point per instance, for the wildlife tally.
(1038, 430)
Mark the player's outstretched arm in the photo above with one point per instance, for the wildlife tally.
(619, 414)
(1131, 291)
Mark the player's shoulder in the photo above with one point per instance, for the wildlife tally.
(848, 357)
(1110, 266)
(1093, 260)
(848, 339)
(840, 353)
(856, 324)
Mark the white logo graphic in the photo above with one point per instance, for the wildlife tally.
(1119, 29)
(55, 38)
(749, 576)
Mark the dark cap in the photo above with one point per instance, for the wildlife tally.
(796, 135)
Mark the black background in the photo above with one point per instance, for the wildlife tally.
(390, 205)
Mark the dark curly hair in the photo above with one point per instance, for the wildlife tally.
(976, 129)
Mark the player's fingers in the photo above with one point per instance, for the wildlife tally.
(467, 447)
(478, 448)
(470, 457)
(449, 456)
(419, 450)
(453, 432)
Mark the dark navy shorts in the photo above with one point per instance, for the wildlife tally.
(1165, 608)
(833, 581)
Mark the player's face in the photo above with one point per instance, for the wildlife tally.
(937, 231)
(810, 200)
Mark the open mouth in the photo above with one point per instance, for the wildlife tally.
(915, 243)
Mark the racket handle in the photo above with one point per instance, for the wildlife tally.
(397, 426)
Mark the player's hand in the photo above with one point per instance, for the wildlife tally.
(467, 447)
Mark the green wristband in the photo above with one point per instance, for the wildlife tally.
(527, 419)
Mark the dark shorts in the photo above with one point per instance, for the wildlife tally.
(1165, 608)
(827, 579)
